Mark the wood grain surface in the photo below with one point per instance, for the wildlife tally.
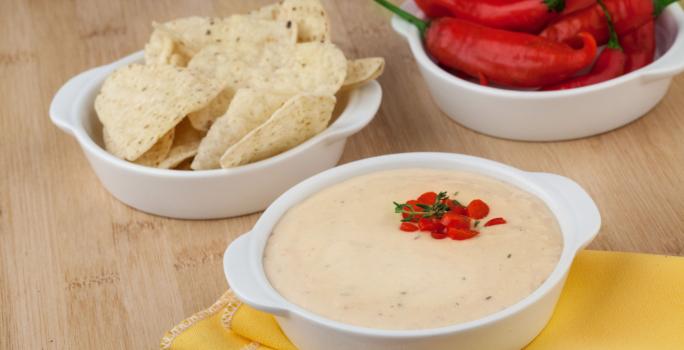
(80, 270)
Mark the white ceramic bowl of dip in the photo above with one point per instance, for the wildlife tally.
(206, 194)
(553, 115)
(510, 328)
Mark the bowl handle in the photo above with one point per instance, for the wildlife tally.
(367, 102)
(671, 63)
(61, 106)
(585, 213)
(243, 277)
(403, 27)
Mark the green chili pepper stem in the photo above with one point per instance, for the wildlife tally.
(421, 24)
(613, 42)
(660, 5)
(555, 5)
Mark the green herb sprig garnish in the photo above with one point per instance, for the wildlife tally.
(436, 209)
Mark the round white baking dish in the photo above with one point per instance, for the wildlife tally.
(206, 194)
(553, 115)
(510, 328)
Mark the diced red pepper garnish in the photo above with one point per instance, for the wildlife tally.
(427, 198)
(439, 228)
(411, 206)
(425, 224)
(495, 221)
(454, 220)
(408, 227)
(444, 217)
(477, 209)
(460, 210)
(455, 207)
(438, 235)
(461, 234)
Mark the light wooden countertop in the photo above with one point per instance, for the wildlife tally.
(80, 270)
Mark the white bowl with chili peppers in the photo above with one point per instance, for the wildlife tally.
(254, 277)
(493, 77)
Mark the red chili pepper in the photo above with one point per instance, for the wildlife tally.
(427, 198)
(495, 221)
(516, 15)
(503, 57)
(610, 63)
(408, 227)
(461, 234)
(639, 46)
(628, 15)
(453, 220)
(477, 209)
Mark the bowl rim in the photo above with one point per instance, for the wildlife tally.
(82, 110)
(258, 236)
(418, 50)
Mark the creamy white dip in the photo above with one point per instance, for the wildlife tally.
(340, 253)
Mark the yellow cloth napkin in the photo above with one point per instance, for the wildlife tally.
(610, 301)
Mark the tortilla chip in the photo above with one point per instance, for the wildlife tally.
(184, 165)
(192, 34)
(158, 152)
(162, 49)
(236, 64)
(159, 49)
(178, 60)
(152, 157)
(205, 117)
(312, 21)
(244, 39)
(363, 70)
(139, 104)
(178, 155)
(186, 134)
(249, 109)
(299, 119)
(285, 69)
(269, 12)
(317, 68)
(185, 145)
(260, 32)
(110, 146)
(232, 63)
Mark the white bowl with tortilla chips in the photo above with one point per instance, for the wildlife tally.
(205, 194)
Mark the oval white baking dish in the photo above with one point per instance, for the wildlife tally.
(510, 328)
(553, 115)
(206, 194)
